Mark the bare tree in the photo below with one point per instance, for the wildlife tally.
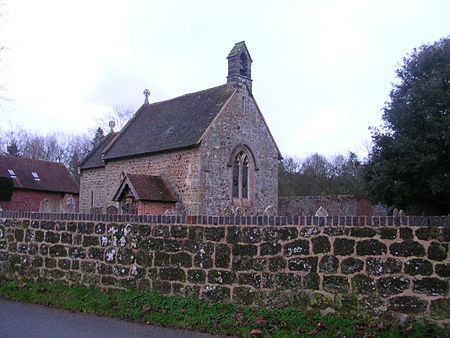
(316, 175)
(56, 147)
(120, 115)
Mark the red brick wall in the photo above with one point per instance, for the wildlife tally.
(154, 208)
(29, 200)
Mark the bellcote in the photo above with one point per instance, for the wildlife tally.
(240, 67)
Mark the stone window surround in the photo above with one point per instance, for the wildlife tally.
(252, 167)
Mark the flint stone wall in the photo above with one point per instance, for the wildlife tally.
(344, 264)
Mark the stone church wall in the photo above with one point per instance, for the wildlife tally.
(180, 170)
(93, 180)
(200, 177)
(239, 123)
(319, 264)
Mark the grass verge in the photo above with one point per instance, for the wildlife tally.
(204, 316)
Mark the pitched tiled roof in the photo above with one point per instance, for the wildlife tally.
(146, 188)
(94, 158)
(172, 124)
(50, 176)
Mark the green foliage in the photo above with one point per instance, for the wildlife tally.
(205, 316)
(409, 166)
(318, 176)
(6, 188)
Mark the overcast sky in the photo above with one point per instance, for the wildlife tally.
(322, 70)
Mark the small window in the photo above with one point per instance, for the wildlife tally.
(35, 176)
(12, 173)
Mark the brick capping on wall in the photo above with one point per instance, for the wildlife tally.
(239, 220)
(347, 264)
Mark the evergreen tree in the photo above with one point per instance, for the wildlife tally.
(98, 137)
(409, 166)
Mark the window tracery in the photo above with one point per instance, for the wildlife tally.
(241, 175)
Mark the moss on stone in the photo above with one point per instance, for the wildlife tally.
(311, 281)
(440, 308)
(320, 301)
(336, 284)
(363, 284)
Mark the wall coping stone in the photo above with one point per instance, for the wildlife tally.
(373, 221)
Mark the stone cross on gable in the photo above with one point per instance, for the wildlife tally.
(146, 94)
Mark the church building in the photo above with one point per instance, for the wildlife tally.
(199, 153)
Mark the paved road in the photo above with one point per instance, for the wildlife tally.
(27, 320)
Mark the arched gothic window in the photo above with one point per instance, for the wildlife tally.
(242, 176)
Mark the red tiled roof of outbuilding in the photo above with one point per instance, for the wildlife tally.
(146, 188)
(50, 176)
